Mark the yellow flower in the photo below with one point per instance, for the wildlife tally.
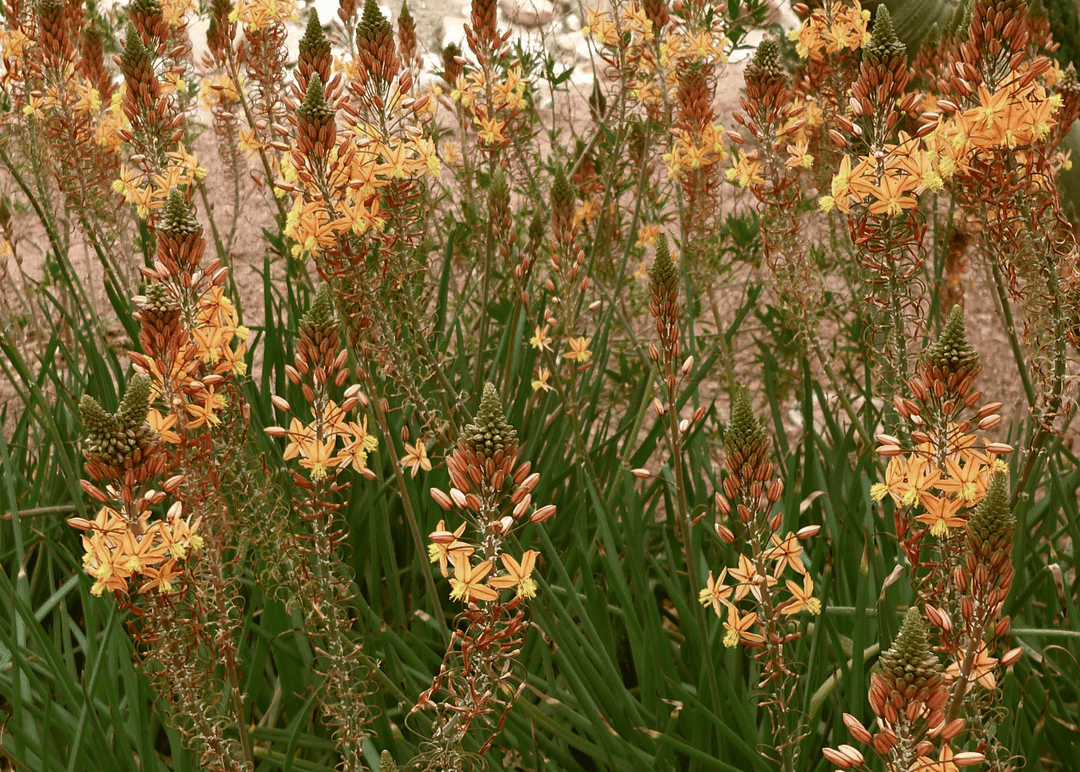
(518, 574)
(786, 553)
(163, 426)
(579, 350)
(747, 576)
(357, 445)
(802, 598)
(203, 413)
(416, 458)
(446, 547)
(920, 478)
(799, 157)
(541, 340)
(467, 583)
(738, 627)
(318, 457)
(299, 436)
(715, 591)
(982, 672)
(541, 381)
(646, 235)
(942, 513)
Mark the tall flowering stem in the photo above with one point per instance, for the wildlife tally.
(1006, 111)
(178, 418)
(666, 312)
(955, 525)
(764, 556)
(878, 189)
(908, 696)
(771, 166)
(479, 679)
(325, 446)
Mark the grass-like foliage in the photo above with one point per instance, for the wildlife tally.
(538, 429)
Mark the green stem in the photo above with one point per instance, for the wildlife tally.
(410, 515)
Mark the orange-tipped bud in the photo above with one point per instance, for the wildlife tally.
(280, 403)
(968, 758)
(542, 514)
(1011, 657)
(442, 499)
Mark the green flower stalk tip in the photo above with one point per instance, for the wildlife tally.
(884, 45)
(387, 763)
(992, 521)
(562, 195)
(952, 353)
(320, 317)
(157, 300)
(663, 275)
(373, 24)
(134, 54)
(314, 42)
(746, 436)
(315, 110)
(135, 404)
(146, 7)
(767, 56)
(910, 658)
(499, 191)
(491, 433)
(179, 219)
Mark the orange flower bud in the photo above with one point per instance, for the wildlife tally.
(442, 499)
(542, 514)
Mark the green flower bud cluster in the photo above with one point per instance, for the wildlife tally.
(909, 662)
(115, 438)
(884, 46)
(992, 524)
(319, 321)
(179, 219)
(491, 433)
(745, 438)
(952, 353)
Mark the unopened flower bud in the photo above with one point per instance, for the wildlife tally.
(1011, 657)
(858, 731)
(542, 514)
(280, 403)
(503, 525)
(968, 758)
(442, 499)
(776, 490)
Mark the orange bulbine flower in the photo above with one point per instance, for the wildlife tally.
(446, 548)
(942, 513)
(467, 582)
(518, 574)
